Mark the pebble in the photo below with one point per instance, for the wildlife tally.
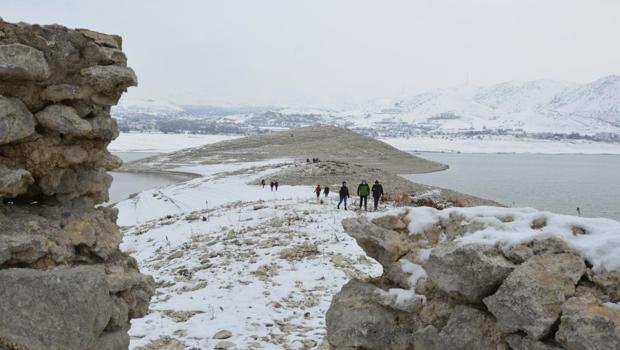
(223, 334)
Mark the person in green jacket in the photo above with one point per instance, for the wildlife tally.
(363, 190)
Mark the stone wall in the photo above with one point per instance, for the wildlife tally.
(439, 293)
(64, 283)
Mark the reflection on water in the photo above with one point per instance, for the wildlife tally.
(558, 183)
(126, 184)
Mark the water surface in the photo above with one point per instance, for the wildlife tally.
(558, 183)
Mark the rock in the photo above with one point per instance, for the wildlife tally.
(64, 282)
(588, 325)
(390, 222)
(471, 271)
(521, 252)
(16, 121)
(426, 338)
(14, 182)
(63, 309)
(609, 283)
(164, 343)
(224, 345)
(356, 319)
(518, 342)
(109, 79)
(386, 246)
(21, 62)
(531, 297)
(60, 92)
(470, 328)
(64, 120)
(113, 41)
(223, 334)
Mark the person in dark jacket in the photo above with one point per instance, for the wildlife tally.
(326, 191)
(317, 190)
(262, 182)
(344, 195)
(363, 190)
(276, 184)
(377, 193)
(271, 184)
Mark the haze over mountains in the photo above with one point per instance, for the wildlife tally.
(540, 108)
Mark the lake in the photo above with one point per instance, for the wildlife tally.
(126, 184)
(558, 183)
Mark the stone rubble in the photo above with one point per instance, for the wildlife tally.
(450, 295)
(64, 283)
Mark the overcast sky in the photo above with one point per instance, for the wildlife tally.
(341, 52)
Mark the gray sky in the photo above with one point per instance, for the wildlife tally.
(341, 52)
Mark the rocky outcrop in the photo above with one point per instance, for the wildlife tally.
(454, 292)
(64, 283)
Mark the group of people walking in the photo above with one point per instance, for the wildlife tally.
(363, 191)
(272, 184)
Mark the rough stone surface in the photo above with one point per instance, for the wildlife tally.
(586, 324)
(54, 308)
(472, 271)
(531, 298)
(357, 320)
(16, 121)
(21, 62)
(64, 283)
(469, 328)
(519, 342)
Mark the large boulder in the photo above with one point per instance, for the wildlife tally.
(109, 79)
(531, 297)
(356, 319)
(16, 121)
(61, 309)
(21, 62)
(386, 246)
(586, 324)
(470, 272)
(469, 328)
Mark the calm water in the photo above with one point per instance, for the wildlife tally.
(126, 184)
(558, 183)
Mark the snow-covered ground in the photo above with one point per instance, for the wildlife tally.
(263, 265)
(229, 256)
(499, 144)
(159, 142)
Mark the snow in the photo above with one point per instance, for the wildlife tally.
(498, 144)
(415, 271)
(223, 262)
(426, 218)
(596, 240)
(162, 143)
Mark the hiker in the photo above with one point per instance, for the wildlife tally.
(377, 192)
(307, 160)
(271, 184)
(344, 194)
(276, 184)
(262, 182)
(578, 211)
(326, 191)
(317, 190)
(363, 190)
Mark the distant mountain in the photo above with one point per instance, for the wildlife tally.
(539, 108)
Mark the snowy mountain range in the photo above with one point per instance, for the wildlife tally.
(540, 107)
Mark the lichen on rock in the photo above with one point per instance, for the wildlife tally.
(64, 283)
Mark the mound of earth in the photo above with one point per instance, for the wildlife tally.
(344, 154)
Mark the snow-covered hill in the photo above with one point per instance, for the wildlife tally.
(542, 109)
